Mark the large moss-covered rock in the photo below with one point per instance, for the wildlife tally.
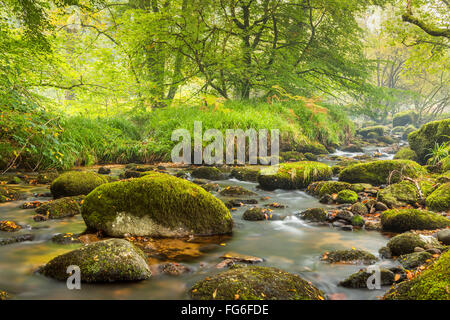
(424, 139)
(322, 188)
(314, 148)
(61, 208)
(399, 194)
(378, 172)
(76, 183)
(210, 173)
(255, 283)
(431, 284)
(296, 175)
(104, 261)
(406, 243)
(314, 215)
(378, 130)
(439, 200)
(413, 260)
(404, 118)
(411, 219)
(158, 205)
(406, 154)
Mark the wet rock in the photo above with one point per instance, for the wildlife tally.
(297, 175)
(444, 236)
(347, 196)
(326, 199)
(76, 183)
(47, 177)
(237, 257)
(40, 218)
(380, 206)
(211, 187)
(16, 239)
(349, 257)
(434, 251)
(129, 174)
(385, 253)
(246, 174)
(352, 148)
(157, 205)
(61, 208)
(210, 173)
(236, 203)
(358, 221)
(372, 225)
(402, 220)
(174, 269)
(344, 215)
(276, 205)
(104, 170)
(232, 191)
(378, 172)
(260, 214)
(9, 226)
(31, 205)
(251, 283)
(406, 243)
(322, 188)
(413, 260)
(66, 238)
(104, 261)
(359, 208)
(359, 279)
(314, 215)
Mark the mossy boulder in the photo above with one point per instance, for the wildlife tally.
(347, 196)
(296, 175)
(314, 148)
(357, 221)
(246, 174)
(256, 214)
(104, 261)
(413, 260)
(378, 130)
(439, 200)
(158, 205)
(255, 283)
(444, 178)
(399, 194)
(424, 139)
(76, 183)
(411, 219)
(359, 279)
(406, 243)
(432, 284)
(360, 187)
(210, 173)
(233, 191)
(406, 154)
(378, 172)
(405, 118)
(61, 208)
(353, 256)
(314, 215)
(352, 148)
(47, 177)
(407, 131)
(359, 208)
(292, 156)
(322, 188)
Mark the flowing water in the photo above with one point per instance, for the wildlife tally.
(292, 245)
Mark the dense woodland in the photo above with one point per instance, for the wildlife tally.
(92, 90)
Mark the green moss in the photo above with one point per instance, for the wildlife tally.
(439, 200)
(404, 118)
(255, 283)
(357, 221)
(315, 215)
(331, 187)
(360, 187)
(296, 175)
(314, 148)
(349, 256)
(292, 156)
(61, 208)
(8, 194)
(76, 183)
(155, 205)
(445, 164)
(406, 154)
(378, 172)
(359, 279)
(210, 173)
(104, 261)
(378, 130)
(431, 284)
(412, 219)
(413, 260)
(399, 194)
(424, 139)
(444, 178)
(347, 196)
(246, 174)
(256, 214)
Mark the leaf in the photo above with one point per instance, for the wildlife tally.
(397, 277)
(214, 294)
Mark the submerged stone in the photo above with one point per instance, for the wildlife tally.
(104, 261)
(255, 283)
